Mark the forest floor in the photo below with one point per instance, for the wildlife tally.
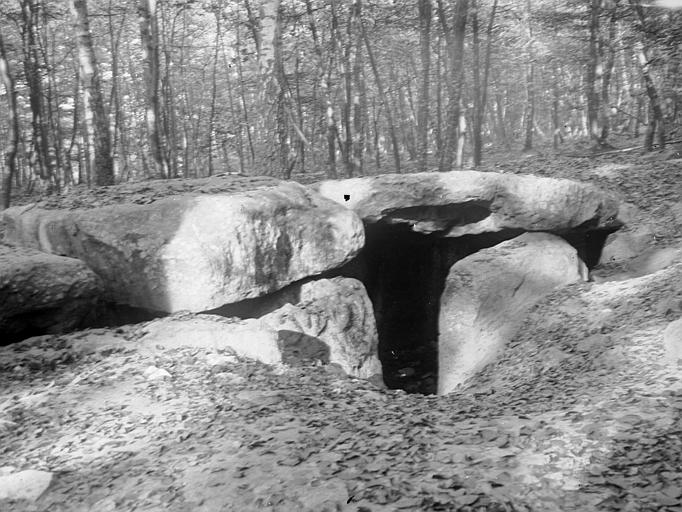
(580, 412)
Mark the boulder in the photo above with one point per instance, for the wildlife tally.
(634, 240)
(333, 323)
(43, 293)
(649, 261)
(27, 485)
(200, 248)
(625, 245)
(487, 294)
(339, 313)
(470, 202)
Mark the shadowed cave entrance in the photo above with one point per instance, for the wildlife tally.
(404, 273)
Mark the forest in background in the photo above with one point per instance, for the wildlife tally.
(105, 91)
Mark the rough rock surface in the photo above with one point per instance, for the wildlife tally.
(625, 245)
(470, 202)
(43, 293)
(333, 323)
(487, 294)
(199, 249)
(339, 313)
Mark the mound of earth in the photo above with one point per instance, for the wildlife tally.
(581, 411)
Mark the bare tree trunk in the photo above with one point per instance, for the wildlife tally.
(325, 83)
(242, 91)
(39, 160)
(75, 131)
(461, 136)
(274, 83)
(425, 15)
(593, 73)
(13, 118)
(96, 119)
(360, 96)
(655, 125)
(439, 100)
(235, 117)
(169, 117)
(500, 112)
(119, 145)
(149, 36)
(347, 80)
(557, 136)
(607, 46)
(481, 89)
(455, 42)
(52, 101)
(529, 113)
(214, 90)
(386, 104)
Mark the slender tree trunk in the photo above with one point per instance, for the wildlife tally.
(655, 124)
(529, 113)
(149, 35)
(325, 83)
(557, 136)
(481, 89)
(439, 100)
(75, 131)
(119, 146)
(214, 89)
(242, 91)
(274, 84)
(348, 57)
(169, 118)
(500, 112)
(375, 124)
(425, 16)
(39, 160)
(476, 71)
(51, 102)
(455, 42)
(386, 104)
(96, 119)
(405, 116)
(13, 118)
(236, 121)
(608, 46)
(360, 96)
(461, 136)
(593, 73)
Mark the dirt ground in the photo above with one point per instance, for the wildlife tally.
(580, 413)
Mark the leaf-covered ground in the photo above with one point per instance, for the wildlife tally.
(580, 413)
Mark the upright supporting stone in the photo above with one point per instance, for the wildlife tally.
(487, 295)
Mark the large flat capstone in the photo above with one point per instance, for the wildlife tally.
(470, 202)
(194, 247)
(487, 295)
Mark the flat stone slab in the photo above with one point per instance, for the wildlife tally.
(43, 293)
(470, 202)
(194, 249)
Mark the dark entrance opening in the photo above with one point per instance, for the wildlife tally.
(404, 273)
